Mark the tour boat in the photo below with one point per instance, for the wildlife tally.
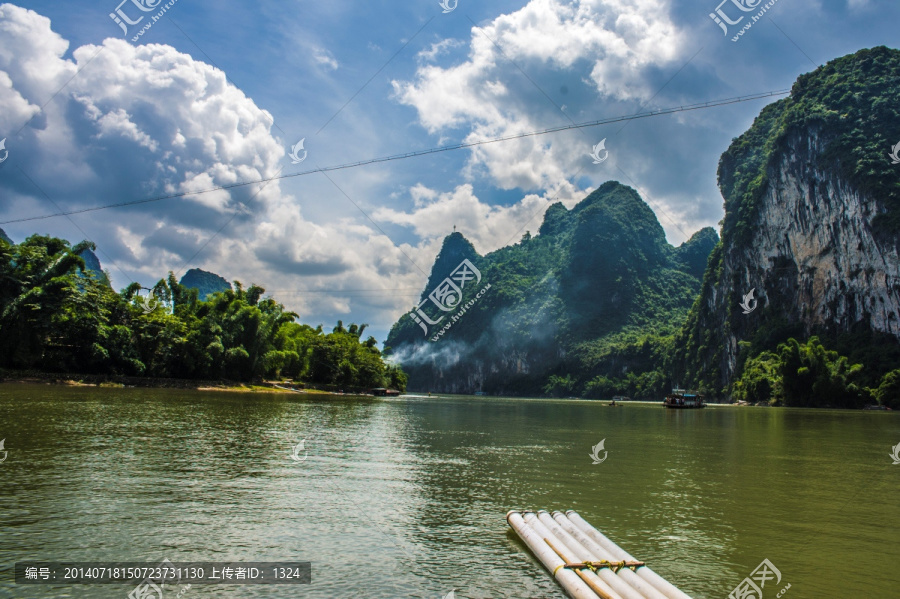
(680, 399)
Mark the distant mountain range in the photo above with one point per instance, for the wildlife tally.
(599, 304)
(205, 282)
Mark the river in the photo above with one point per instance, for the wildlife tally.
(406, 497)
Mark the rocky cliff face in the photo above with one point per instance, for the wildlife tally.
(814, 259)
(839, 272)
(807, 226)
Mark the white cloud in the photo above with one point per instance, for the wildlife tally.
(487, 227)
(143, 121)
(324, 58)
(438, 49)
(619, 42)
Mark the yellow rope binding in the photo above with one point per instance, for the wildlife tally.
(594, 566)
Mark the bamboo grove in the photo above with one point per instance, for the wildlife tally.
(56, 316)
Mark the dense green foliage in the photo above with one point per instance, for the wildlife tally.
(588, 307)
(802, 375)
(888, 392)
(56, 316)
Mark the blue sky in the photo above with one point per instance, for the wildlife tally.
(217, 92)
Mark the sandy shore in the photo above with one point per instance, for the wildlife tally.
(70, 380)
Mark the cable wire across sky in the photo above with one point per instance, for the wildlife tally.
(459, 146)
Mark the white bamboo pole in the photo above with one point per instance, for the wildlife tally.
(582, 554)
(598, 553)
(644, 572)
(597, 584)
(569, 580)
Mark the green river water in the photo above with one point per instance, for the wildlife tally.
(406, 497)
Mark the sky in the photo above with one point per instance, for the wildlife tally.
(188, 96)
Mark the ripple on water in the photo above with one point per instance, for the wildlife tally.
(407, 498)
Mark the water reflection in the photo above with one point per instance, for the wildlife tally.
(407, 498)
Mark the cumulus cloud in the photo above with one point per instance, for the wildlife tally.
(620, 43)
(132, 122)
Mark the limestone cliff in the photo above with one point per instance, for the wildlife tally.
(812, 200)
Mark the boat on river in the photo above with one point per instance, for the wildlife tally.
(681, 399)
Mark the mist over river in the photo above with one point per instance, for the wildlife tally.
(406, 497)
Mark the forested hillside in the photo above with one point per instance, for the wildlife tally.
(599, 304)
(588, 306)
(58, 316)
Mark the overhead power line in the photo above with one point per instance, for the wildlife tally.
(393, 157)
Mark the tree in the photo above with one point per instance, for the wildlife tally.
(888, 392)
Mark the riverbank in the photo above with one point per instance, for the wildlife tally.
(99, 380)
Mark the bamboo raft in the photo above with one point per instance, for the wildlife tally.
(584, 562)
